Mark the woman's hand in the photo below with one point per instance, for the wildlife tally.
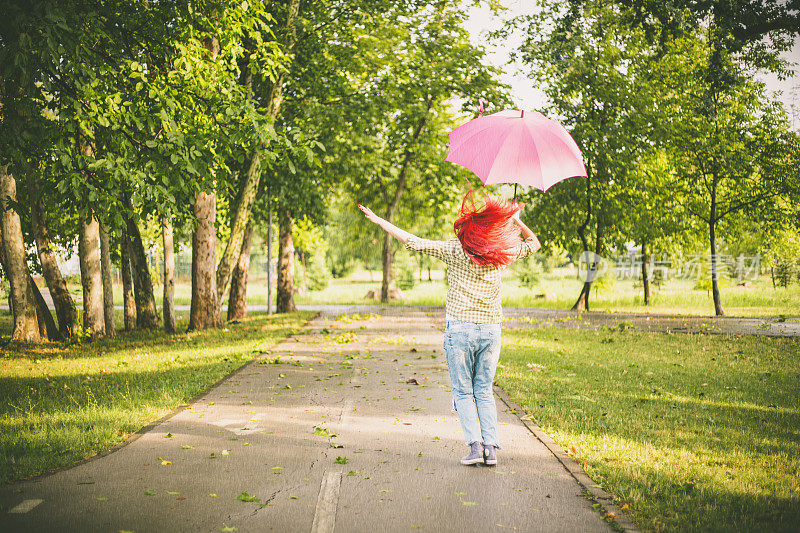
(372, 217)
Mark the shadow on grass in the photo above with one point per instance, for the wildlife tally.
(694, 432)
(63, 407)
(256, 323)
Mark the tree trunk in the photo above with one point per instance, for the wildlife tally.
(62, 300)
(582, 303)
(240, 219)
(26, 323)
(205, 309)
(169, 275)
(285, 301)
(108, 285)
(583, 298)
(47, 326)
(205, 312)
(91, 280)
(387, 255)
(714, 275)
(269, 263)
(712, 237)
(168, 304)
(146, 315)
(387, 258)
(12, 250)
(128, 297)
(645, 277)
(237, 301)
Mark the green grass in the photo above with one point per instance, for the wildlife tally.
(63, 403)
(692, 432)
(560, 290)
(674, 297)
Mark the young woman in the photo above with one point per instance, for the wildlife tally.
(488, 240)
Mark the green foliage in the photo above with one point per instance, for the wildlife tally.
(604, 282)
(318, 277)
(312, 247)
(405, 269)
(784, 271)
(530, 271)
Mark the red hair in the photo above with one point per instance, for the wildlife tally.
(486, 230)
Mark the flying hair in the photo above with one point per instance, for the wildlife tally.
(486, 231)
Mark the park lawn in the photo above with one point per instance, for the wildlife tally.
(62, 404)
(688, 432)
(554, 291)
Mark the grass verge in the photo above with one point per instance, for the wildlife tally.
(688, 432)
(63, 403)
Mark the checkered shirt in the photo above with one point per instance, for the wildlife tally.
(473, 291)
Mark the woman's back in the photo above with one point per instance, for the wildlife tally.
(473, 290)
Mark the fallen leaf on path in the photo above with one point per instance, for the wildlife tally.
(186, 447)
(469, 503)
(165, 463)
(341, 460)
(290, 497)
(228, 528)
(168, 436)
(149, 492)
(102, 499)
(225, 452)
(245, 497)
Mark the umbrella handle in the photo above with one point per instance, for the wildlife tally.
(515, 191)
(480, 108)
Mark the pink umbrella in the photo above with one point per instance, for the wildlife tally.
(516, 147)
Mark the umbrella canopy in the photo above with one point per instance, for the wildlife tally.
(516, 147)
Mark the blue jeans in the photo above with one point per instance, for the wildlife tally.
(473, 351)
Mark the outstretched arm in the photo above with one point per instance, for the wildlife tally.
(526, 231)
(388, 227)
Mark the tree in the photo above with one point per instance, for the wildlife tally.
(62, 300)
(168, 306)
(237, 301)
(589, 64)
(240, 218)
(420, 62)
(91, 280)
(108, 291)
(26, 323)
(727, 136)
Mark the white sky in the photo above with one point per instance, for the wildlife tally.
(527, 96)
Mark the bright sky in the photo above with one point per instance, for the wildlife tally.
(527, 96)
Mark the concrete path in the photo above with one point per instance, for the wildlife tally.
(346, 427)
